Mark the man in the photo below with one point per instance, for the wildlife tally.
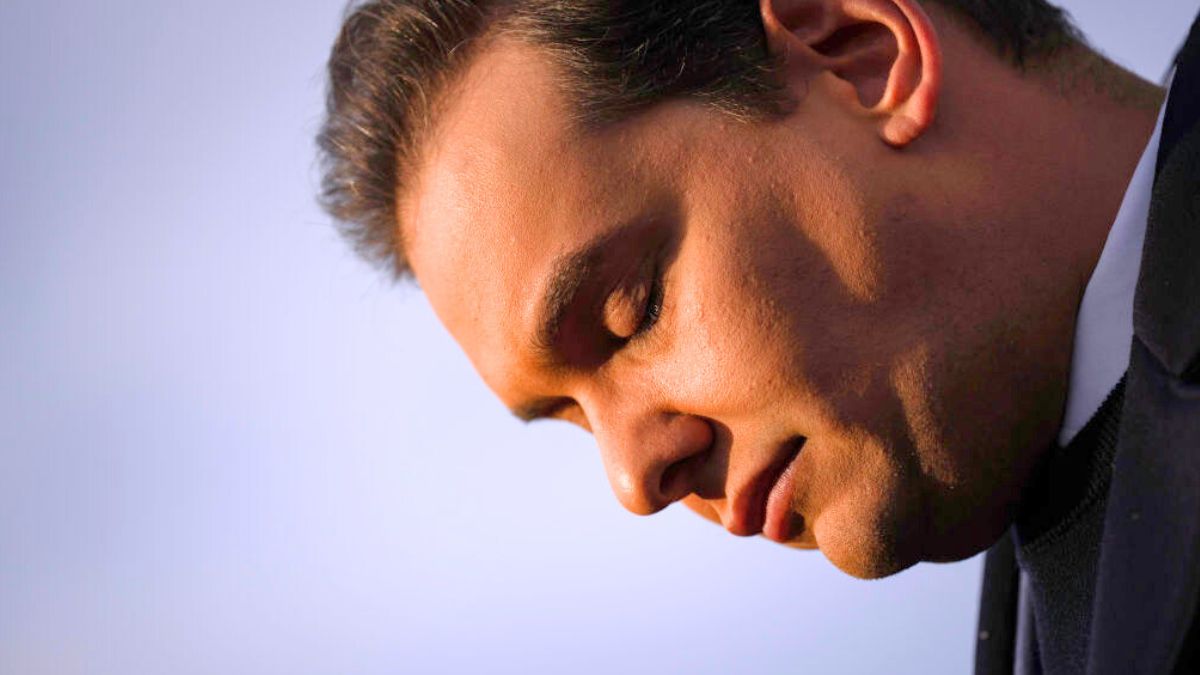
(843, 273)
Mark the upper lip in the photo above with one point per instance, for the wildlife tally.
(748, 506)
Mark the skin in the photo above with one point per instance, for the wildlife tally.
(889, 273)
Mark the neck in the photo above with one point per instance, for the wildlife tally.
(1063, 140)
(1096, 121)
(1036, 164)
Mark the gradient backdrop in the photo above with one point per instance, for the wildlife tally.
(227, 446)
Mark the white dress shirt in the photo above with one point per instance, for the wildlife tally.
(1104, 326)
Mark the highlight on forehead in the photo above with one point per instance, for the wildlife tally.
(500, 130)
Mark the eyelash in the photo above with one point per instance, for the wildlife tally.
(654, 304)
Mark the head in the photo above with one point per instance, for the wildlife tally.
(790, 263)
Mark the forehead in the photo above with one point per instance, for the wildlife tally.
(505, 186)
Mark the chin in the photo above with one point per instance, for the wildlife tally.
(867, 564)
(872, 545)
(868, 548)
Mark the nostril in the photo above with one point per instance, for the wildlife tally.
(679, 480)
(683, 477)
(692, 440)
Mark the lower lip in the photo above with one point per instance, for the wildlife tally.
(778, 525)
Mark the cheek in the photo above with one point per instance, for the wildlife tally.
(737, 354)
(767, 309)
(762, 319)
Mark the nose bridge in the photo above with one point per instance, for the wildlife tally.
(650, 449)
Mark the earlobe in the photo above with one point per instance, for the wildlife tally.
(887, 50)
(915, 83)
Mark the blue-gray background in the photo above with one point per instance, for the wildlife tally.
(227, 446)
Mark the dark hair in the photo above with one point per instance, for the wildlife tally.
(393, 58)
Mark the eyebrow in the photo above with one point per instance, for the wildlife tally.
(567, 277)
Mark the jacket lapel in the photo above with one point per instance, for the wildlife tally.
(1167, 306)
(1149, 573)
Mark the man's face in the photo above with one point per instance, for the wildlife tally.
(792, 327)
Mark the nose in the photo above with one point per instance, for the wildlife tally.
(655, 458)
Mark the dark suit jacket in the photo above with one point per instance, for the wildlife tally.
(1145, 618)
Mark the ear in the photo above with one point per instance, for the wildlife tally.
(887, 50)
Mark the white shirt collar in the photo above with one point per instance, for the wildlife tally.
(1104, 326)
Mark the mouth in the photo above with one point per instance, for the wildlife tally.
(765, 505)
